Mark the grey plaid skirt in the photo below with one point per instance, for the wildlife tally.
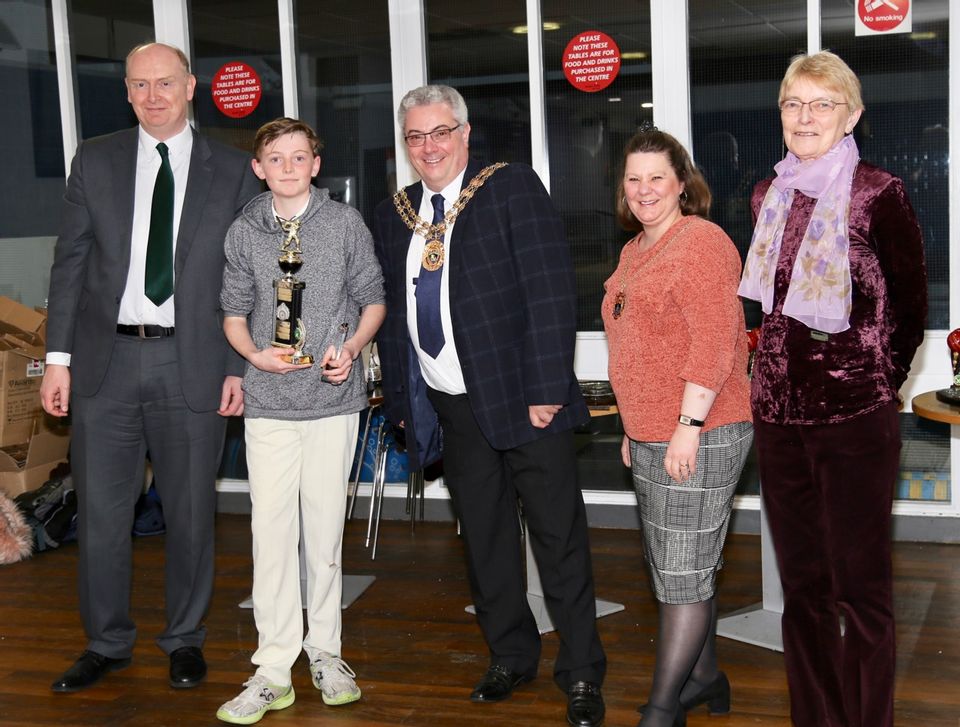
(684, 526)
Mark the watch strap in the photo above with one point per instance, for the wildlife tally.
(690, 421)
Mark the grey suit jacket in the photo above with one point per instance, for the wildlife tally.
(92, 258)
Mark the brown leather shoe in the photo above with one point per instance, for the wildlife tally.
(86, 671)
(497, 684)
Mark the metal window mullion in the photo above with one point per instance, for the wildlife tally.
(408, 67)
(670, 69)
(66, 88)
(539, 152)
(814, 21)
(288, 58)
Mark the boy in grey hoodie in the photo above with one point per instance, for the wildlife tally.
(300, 418)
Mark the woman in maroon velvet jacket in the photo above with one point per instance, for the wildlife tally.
(837, 264)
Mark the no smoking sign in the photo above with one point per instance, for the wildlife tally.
(881, 17)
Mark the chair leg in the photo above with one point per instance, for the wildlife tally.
(379, 483)
(379, 452)
(363, 451)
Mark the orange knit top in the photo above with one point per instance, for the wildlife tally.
(681, 321)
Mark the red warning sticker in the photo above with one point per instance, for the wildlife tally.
(591, 61)
(236, 89)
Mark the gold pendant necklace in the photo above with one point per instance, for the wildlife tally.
(433, 251)
(620, 299)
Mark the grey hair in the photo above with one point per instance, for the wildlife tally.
(427, 95)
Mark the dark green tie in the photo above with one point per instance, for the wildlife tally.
(158, 283)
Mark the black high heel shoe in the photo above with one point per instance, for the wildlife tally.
(716, 695)
(679, 714)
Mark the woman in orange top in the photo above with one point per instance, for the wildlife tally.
(678, 366)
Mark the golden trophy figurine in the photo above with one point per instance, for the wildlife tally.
(289, 329)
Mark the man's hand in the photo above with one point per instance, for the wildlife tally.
(542, 414)
(231, 398)
(55, 390)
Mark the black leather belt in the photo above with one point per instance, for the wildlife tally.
(142, 331)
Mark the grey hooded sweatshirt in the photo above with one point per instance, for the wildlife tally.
(342, 276)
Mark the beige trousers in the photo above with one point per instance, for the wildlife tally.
(298, 470)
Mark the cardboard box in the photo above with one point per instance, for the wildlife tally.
(46, 450)
(22, 345)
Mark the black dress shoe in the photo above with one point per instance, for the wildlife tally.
(497, 684)
(86, 671)
(187, 667)
(585, 705)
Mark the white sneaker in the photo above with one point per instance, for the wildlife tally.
(334, 679)
(259, 697)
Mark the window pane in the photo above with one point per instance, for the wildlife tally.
(738, 53)
(32, 148)
(101, 35)
(904, 127)
(239, 31)
(904, 130)
(345, 93)
(587, 131)
(474, 48)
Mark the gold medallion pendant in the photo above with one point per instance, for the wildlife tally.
(619, 302)
(432, 255)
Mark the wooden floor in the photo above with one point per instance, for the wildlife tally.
(416, 651)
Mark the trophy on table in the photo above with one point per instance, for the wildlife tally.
(951, 396)
(289, 329)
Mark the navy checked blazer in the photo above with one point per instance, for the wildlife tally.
(513, 306)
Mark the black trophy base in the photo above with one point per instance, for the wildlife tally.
(950, 396)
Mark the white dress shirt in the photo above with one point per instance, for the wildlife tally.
(442, 373)
(135, 307)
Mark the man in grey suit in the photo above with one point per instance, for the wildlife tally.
(136, 353)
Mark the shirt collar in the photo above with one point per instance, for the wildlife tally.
(450, 192)
(180, 143)
(302, 210)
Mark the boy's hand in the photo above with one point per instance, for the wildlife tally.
(269, 359)
(336, 370)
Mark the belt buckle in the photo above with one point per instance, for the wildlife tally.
(141, 332)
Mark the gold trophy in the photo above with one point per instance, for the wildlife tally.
(951, 396)
(289, 329)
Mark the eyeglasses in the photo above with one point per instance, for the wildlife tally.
(818, 107)
(439, 136)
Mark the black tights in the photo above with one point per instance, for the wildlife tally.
(686, 657)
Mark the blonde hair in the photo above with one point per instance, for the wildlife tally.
(827, 69)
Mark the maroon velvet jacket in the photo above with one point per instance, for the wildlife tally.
(799, 380)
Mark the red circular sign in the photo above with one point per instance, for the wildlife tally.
(236, 89)
(591, 61)
(882, 15)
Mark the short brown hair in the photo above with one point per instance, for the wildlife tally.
(273, 130)
(828, 70)
(696, 197)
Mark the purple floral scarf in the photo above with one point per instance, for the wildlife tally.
(819, 292)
